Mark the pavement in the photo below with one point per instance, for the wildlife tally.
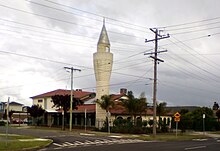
(209, 134)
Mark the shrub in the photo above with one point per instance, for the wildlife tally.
(2, 123)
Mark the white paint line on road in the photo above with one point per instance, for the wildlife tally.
(87, 134)
(115, 136)
(69, 143)
(200, 140)
(57, 144)
(196, 147)
(87, 142)
(99, 142)
(78, 143)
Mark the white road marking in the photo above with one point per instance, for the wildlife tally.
(99, 142)
(86, 134)
(87, 142)
(69, 143)
(78, 143)
(115, 136)
(57, 144)
(200, 140)
(196, 147)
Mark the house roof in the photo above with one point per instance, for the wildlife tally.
(90, 108)
(117, 110)
(116, 96)
(76, 93)
(15, 103)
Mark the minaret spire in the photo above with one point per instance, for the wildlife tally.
(102, 60)
(104, 21)
(103, 38)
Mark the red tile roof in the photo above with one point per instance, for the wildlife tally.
(119, 109)
(77, 94)
(117, 96)
(90, 108)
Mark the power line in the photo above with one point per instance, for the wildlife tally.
(96, 14)
(198, 67)
(198, 54)
(124, 43)
(44, 59)
(193, 31)
(189, 72)
(187, 23)
(195, 26)
(61, 20)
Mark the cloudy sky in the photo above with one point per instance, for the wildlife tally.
(38, 38)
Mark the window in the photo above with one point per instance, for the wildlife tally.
(40, 101)
(107, 49)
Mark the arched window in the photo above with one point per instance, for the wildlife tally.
(119, 118)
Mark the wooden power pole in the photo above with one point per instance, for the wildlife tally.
(156, 60)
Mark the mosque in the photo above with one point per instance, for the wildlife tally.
(90, 113)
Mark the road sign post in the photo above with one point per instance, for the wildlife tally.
(176, 128)
(203, 121)
(177, 119)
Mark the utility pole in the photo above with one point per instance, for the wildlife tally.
(7, 118)
(71, 95)
(155, 31)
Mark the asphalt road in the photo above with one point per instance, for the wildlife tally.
(205, 145)
(66, 141)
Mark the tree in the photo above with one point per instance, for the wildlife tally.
(36, 111)
(142, 104)
(63, 102)
(197, 116)
(186, 120)
(106, 103)
(218, 114)
(215, 106)
(10, 114)
(161, 110)
(134, 106)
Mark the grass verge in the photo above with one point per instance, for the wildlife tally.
(15, 143)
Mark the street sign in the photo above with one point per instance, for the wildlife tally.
(177, 114)
(177, 119)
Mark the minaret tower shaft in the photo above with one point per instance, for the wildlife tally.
(102, 60)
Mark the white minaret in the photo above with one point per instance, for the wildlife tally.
(102, 61)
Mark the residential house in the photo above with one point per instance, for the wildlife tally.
(53, 116)
(16, 110)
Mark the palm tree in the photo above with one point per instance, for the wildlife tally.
(161, 111)
(134, 106)
(106, 103)
(142, 103)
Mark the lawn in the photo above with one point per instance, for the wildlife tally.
(20, 142)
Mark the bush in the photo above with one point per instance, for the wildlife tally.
(128, 126)
(2, 123)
